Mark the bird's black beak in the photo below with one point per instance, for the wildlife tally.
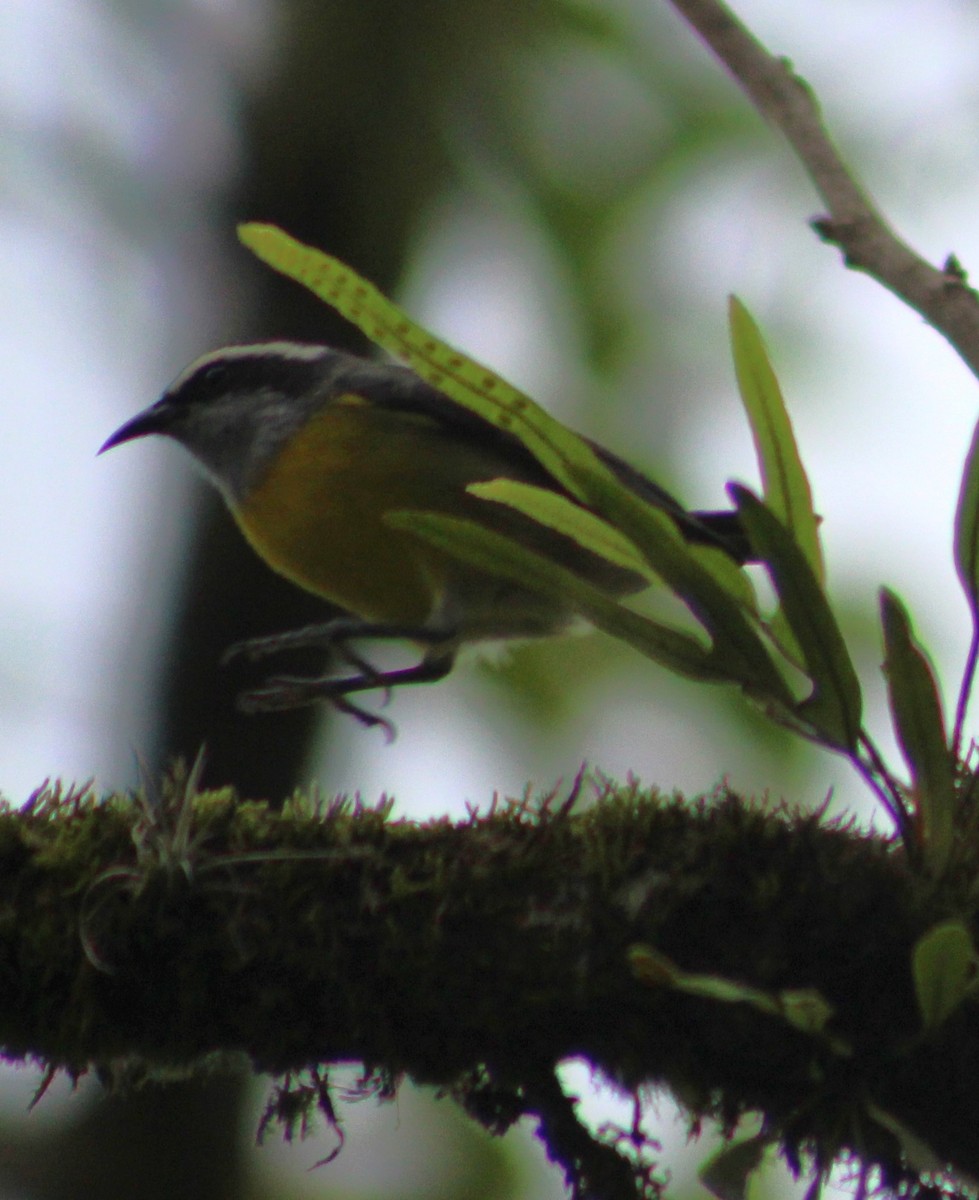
(156, 419)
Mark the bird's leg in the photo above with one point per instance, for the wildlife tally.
(293, 691)
(333, 635)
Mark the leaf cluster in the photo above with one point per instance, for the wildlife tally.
(792, 661)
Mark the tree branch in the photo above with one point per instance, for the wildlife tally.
(853, 223)
(476, 957)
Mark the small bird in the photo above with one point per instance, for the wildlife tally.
(311, 447)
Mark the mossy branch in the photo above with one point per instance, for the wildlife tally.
(476, 956)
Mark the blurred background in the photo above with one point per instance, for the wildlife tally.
(567, 189)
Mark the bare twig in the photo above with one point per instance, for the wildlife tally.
(853, 222)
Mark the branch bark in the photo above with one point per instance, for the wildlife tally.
(853, 223)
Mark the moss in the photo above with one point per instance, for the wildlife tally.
(477, 956)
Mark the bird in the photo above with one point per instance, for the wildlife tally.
(312, 447)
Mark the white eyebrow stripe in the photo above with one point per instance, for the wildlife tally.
(301, 351)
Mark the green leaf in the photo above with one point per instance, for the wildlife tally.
(504, 558)
(557, 512)
(679, 651)
(784, 480)
(967, 528)
(738, 652)
(804, 1009)
(738, 647)
(469, 383)
(916, 710)
(730, 576)
(943, 964)
(655, 969)
(834, 709)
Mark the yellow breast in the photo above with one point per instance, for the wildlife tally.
(317, 515)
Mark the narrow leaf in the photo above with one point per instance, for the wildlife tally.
(564, 516)
(471, 384)
(738, 647)
(655, 969)
(834, 709)
(738, 651)
(504, 558)
(967, 528)
(804, 1009)
(784, 480)
(916, 710)
(943, 964)
(557, 512)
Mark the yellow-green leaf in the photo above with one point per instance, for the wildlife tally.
(943, 964)
(469, 383)
(738, 647)
(738, 652)
(504, 558)
(557, 512)
(804, 1009)
(784, 480)
(967, 528)
(834, 710)
(916, 710)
